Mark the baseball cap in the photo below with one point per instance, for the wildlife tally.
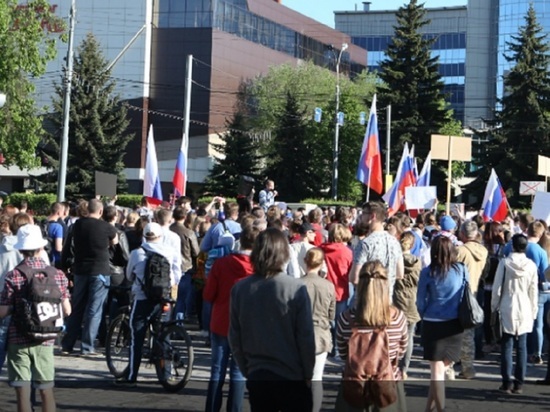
(447, 223)
(152, 230)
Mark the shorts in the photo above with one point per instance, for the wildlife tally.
(28, 364)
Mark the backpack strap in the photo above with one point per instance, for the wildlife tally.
(28, 272)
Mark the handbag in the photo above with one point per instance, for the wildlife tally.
(496, 325)
(470, 314)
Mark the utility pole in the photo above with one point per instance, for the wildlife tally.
(62, 177)
(388, 146)
(187, 114)
(335, 148)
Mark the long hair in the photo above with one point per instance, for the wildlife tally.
(270, 253)
(493, 235)
(443, 255)
(373, 299)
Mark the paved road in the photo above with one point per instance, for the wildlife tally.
(84, 384)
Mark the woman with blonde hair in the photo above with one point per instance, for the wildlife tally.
(373, 310)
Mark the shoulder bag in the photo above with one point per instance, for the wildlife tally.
(470, 314)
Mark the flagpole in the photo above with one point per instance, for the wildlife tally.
(186, 114)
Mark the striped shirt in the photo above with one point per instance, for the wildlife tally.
(397, 336)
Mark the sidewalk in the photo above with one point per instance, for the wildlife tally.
(84, 384)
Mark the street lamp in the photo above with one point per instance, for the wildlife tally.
(2, 99)
(337, 125)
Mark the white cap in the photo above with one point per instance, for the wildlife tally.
(152, 231)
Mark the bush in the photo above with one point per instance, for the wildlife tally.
(38, 204)
(130, 201)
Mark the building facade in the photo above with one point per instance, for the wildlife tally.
(471, 42)
(231, 41)
(373, 30)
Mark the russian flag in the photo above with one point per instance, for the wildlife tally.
(425, 174)
(180, 172)
(151, 183)
(405, 177)
(495, 205)
(369, 171)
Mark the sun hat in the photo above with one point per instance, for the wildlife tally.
(29, 237)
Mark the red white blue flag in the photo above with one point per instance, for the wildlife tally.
(180, 173)
(495, 205)
(369, 171)
(425, 174)
(395, 196)
(151, 183)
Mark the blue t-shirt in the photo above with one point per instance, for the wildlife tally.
(55, 231)
(439, 298)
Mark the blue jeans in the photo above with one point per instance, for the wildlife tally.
(4, 325)
(506, 358)
(206, 315)
(186, 294)
(220, 359)
(406, 361)
(88, 299)
(139, 322)
(536, 337)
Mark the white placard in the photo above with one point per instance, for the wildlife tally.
(420, 197)
(541, 206)
(531, 188)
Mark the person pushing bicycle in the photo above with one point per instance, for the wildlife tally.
(152, 256)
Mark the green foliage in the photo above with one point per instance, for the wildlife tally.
(39, 204)
(412, 84)
(283, 102)
(26, 46)
(97, 126)
(521, 130)
(130, 201)
(224, 176)
(328, 202)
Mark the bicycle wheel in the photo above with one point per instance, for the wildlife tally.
(117, 348)
(174, 362)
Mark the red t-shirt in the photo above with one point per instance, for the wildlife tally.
(225, 272)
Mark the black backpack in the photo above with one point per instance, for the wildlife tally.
(491, 265)
(44, 228)
(156, 277)
(39, 315)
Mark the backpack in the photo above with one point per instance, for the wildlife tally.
(368, 373)
(226, 243)
(213, 255)
(44, 228)
(39, 315)
(156, 277)
(491, 265)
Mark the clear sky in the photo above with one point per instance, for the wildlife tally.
(322, 10)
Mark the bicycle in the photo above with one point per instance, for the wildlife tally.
(167, 345)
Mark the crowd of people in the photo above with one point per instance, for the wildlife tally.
(276, 291)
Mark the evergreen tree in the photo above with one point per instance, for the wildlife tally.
(237, 158)
(521, 129)
(412, 83)
(290, 156)
(97, 126)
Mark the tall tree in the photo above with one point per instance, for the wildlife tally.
(97, 126)
(290, 154)
(521, 129)
(237, 157)
(412, 83)
(27, 43)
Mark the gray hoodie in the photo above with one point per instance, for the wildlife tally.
(9, 257)
(515, 294)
